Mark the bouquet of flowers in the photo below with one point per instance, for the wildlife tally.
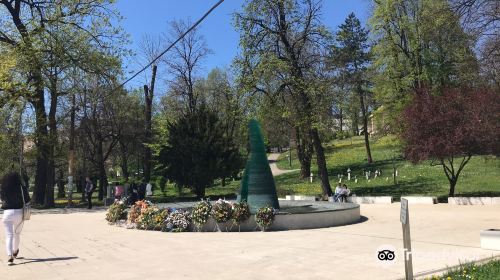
(177, 221)
(221, 211)
(117, 211)
(265, 217)
(152, 218)
(201, 213)
(137, 209)
(241, 212)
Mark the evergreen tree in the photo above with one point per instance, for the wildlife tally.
(351, 59)
(198, 151)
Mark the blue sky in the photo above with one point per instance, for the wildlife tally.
(151, 17)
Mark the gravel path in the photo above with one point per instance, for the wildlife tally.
(273, 159)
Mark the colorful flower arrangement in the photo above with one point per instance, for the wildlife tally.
(147, 216)
(200, 214)
(152, 218)
(137, 209)
(177, 221)
(241, 212)
(222, 211)
(117, 211)
(265, 217)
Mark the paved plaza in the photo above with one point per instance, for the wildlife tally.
(81, 245)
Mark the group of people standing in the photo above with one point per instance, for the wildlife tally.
(137, 192)
(134, 191)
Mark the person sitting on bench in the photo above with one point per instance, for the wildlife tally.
(343, 193)
(338, 192)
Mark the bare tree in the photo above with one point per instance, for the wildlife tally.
(480, 17)
(151, 48)
(184, 61)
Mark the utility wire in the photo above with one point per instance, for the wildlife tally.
(173, 44)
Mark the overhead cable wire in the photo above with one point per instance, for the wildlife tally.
(171, 45)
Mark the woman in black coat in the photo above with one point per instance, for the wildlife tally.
(11, 194)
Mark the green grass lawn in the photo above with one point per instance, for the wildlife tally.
(487, 271)
(480, 177)
(77, 197)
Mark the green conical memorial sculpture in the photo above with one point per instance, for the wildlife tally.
(257, 187)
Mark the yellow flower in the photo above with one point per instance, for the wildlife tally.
(449, 278)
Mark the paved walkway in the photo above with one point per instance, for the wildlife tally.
(83, 246)
(273, 158)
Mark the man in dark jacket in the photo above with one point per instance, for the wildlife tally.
(89, 188)
(142, 191)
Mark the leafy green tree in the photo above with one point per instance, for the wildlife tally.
(282, 44)
(418, 43)
(45, 36)
(351, 58)
(198, 151)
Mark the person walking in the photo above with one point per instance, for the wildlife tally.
(89, 188)
(133, 190)
(13, 196)
(141, 192)
(118, 191)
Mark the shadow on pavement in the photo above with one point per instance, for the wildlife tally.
(28, 260)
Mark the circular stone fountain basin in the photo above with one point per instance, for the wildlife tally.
(292, 215)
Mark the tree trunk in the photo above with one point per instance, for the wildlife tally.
(42, 157)
(49, 190)
(321, 161)
(71, 152)
(124, 160)
(365, 126)
(149, 93)
(341, 119)
(453, 183)
(51, 170)
(355, 129)
(453, 173)
(304, 154)
(60, 185)
(103, 183)
(103, 180)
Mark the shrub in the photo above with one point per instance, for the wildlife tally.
(342, 135)
(117, 211)
(221, 211)
(201, 213)
(177, 221)
(265, 217)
